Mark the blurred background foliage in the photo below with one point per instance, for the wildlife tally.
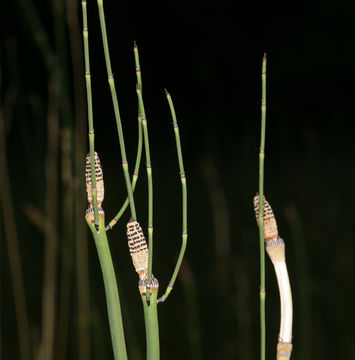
(208, 55)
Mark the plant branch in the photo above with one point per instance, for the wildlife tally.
(184, 200)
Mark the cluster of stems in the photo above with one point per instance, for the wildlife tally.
(148, 284)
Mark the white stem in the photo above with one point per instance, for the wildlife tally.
(283, 281)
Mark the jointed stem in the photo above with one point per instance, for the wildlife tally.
(139, 147)
(116, 109)
(150, 182)
(90, 112)
(184, 199)
(151, 318)
(261, 211)
(96, 223)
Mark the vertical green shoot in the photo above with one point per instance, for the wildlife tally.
(90, 112)
(111, 290)
(151, 318)
(261, 211)
(184, 199)
(150, 182)
(116, 108)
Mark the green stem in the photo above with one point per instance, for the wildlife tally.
(139, 147)
(111, 82)
(184, 199)
(111, 290)
(90, 112)
(150, 182)
(261, 211)
(151, 318)
(83, 320)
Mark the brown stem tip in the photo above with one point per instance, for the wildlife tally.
(270, 225)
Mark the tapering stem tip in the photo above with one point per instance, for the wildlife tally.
(135, 47)
(166, 93)
(264, 58)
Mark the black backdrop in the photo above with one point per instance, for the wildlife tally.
(208, 55)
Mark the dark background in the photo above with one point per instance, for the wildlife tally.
(208, 55)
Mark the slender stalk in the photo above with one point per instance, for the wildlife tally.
(139, 147)
(96, 222)
(184, 195)
(81, 239)
(184, 199)
(90, 112)
(14, 255)
(109, 277)
(261, 211)
(38, 32)
(51, 239)
(150, 183)
(111, 82)
(67, 244)
(151, 317)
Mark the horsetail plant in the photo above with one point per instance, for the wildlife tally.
(275, 248)
(150, 284)
(95, 218)
(141, 252)
(261, 211)
(184, 199)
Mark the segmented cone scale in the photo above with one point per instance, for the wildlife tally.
(270, 225)
(138, 248)
(100, 190)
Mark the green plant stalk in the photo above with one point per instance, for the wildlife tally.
(149, 288)
(90, 112)
(151, 318)
(139, 147)
(150, 183)
(184, 199)
(111, 290)
(111, 82)
(38, 32)
(67, 243)
(261, 211)
(83, 321)
(135, 175)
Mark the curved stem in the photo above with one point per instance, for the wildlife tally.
(184, 200)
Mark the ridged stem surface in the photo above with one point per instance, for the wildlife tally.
(184, 199)
(261, 211)
(111, 82)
